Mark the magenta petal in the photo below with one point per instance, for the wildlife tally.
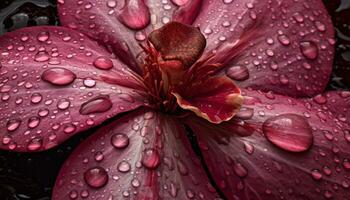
(54, 83)
(141, 156)
(278, 148)
(280, 46)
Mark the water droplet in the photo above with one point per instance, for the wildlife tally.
(88, 82)
(69, 128)
(13, 124)
(58, 76)
(103, 63)
(35, 144)
(284, 40)
(135, 182)
(316, 174)
(42, 56)
(124, 166)
(290, 132)
(240, 170)
(36, 98)
(111, 3)
(96, 105)
(238, 73)
(150, 158)
(120, 141)
(135, 15)
(96, 177)
(63, 104)
(43, 36)
(309, 49)
(180, 2)
(33, 122)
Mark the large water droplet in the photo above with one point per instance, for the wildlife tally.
(290, 132)
(120, 141)
(238, 73)
(103, 63)
(150, 158)
(96, 177)
(36, 98)
(42, 56)
(135, 15)
(96, 105)
(309, 49)
(58, 76)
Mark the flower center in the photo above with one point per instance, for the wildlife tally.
(177, 78)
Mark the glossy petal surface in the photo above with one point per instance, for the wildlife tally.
(281, 46)
(216, 99)
(123, 24)
(56, 82)
(143, 155)
(278, 148)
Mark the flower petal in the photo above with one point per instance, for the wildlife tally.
(216, 99)
(292, 149)
(123, 25)
(55, 82)
(281, 46)
(143, 155)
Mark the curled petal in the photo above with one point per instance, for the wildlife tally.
(55, 82)
(143, 155)
(278, 147)
(216, 99)
(281, 46)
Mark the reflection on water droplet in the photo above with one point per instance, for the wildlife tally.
(96, 177)
(135, 15)
(120, 141)
(96, 105)
(13, 124)
(58, 76)
(309, 49)
(124, 166)
(238, 73)
(290, 132)
(42, 56)
(35, 144)
(103, 63)
(150, 158)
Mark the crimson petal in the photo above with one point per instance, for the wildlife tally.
(282, 46)
(143, 155)
(215, 99)
(278, 148)
(56, 82)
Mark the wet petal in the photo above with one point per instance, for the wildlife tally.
(278, 148)
(216, 99)
(56, 82)
(143, 155)
(283, 46)
(122, 25)
(176, 41)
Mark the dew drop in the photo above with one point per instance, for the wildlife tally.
(124, 166)
(13, 124)
(284, 40)
(43, 36)
(35, 144)
(103, 63)
(316, 174)
(88, 82)
(309, 49)
(96, 105)
(41, 56)
(69, 128)
(33, 122)
(150, 158)
(120, 141)
(180, 2)
(36, 98)
(238, 73)
(58, 76)
(240, 170)
(135, 15)
(96, 177)
(111, 3)
(289, 132)
(63, 104)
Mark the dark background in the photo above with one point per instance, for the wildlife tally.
(32, 176)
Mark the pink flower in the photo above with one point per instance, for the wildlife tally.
(239, 87)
